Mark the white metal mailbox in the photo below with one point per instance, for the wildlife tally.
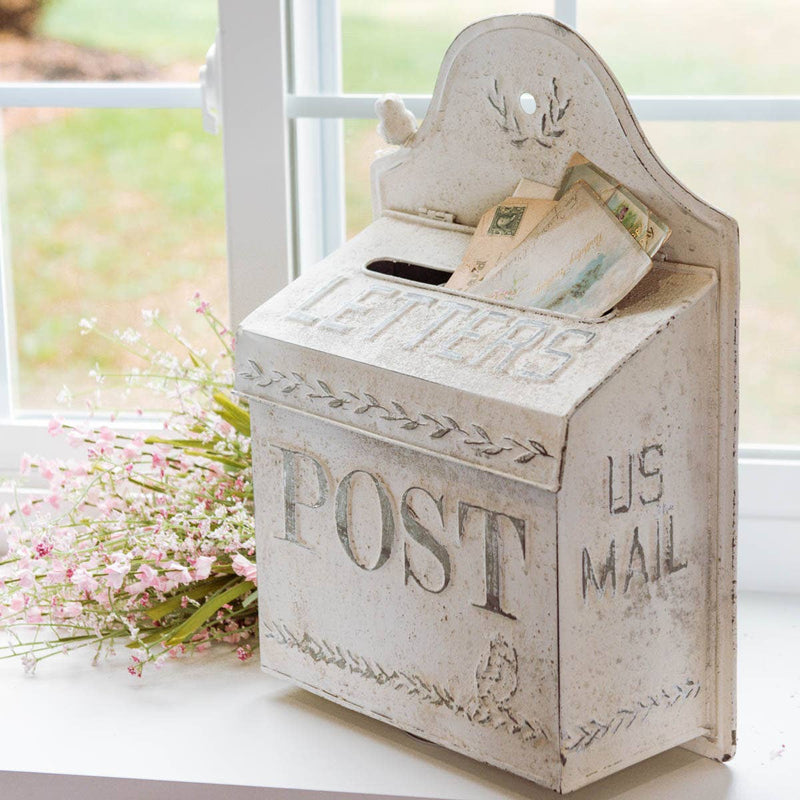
(507, 531)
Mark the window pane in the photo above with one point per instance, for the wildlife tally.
(361, 142)
(110, 212)
(106, 40)
(745, 170)
(398, 45)
(738, 168)
(686, 47)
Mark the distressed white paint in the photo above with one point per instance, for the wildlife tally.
(441, 480)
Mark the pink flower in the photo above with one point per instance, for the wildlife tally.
(116, 573)
(34, 616)
(17, 602)
(244, 653)
(24, 464)
(26, 508)
(43, 548)
(76, 470)
(55, 426)
(84, 580)
(247, 569)
(177, 574)
(71, 610)
(57, 573)
(133, 449)
(148, 578)
(26, 580)
(106, 506)
(46, 470)
(54, 500)
(105, 434)
(202, 567)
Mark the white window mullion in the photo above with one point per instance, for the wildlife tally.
(317, 143)
(567, 12)
(254, 134)
(105, 94)
(648, 108)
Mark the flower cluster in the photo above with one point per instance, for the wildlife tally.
(147, 538)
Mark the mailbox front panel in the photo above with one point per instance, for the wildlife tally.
(414, 588)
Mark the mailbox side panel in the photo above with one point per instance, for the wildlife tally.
(637, 530)
(410, 587)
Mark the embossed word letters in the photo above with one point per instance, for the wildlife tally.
(648, 553)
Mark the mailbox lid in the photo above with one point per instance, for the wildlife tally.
(469, 378)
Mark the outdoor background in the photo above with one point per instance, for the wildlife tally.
(110, 212)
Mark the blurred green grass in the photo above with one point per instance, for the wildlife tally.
(115, 210)
(163, 31)
(110, 211)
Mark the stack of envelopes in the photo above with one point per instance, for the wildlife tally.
(577, 249)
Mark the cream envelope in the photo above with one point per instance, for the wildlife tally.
(502, 228)
(579, 260)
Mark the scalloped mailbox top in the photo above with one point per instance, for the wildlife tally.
(477, 140)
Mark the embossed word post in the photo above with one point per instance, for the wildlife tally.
(505, 530)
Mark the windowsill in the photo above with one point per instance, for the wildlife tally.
(214, 721)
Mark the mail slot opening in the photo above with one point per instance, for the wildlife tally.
(411, 272)
(432, 276)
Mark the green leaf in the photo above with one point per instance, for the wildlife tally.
(151, 638)
(207, 610)
(250, 599)
(199, 590)
(233, 413)
(176, 442)
(233, 463)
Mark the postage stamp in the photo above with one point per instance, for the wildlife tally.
(506, 220)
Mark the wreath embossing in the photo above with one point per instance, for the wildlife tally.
(548, 125)
(495, 680)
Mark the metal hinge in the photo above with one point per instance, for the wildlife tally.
(441, 216)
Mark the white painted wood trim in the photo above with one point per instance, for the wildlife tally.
(101, 94)
(648, 108)
(257, 203)
(315, 66)
(566, 11)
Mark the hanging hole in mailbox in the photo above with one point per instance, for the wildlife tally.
(528, 102)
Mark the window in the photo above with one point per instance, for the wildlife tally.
(96, 219)
(721, 110)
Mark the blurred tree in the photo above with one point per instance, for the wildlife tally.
(20, 16)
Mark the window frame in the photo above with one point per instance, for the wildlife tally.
(282, 101)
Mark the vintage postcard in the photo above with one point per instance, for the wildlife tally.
(579, 260)
(648, 230)
(499, 231)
